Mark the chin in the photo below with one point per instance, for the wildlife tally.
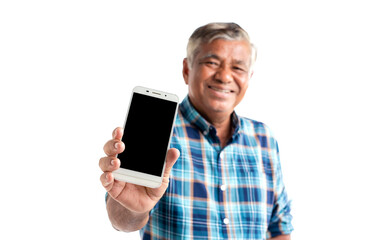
(221, 108)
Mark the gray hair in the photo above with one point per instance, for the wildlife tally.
(213, 31)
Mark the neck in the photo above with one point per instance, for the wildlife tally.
(221, 121)
(224, 131)
(223, 126)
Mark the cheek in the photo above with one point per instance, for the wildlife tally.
(242, 84)
(202, 72)
(197, 79)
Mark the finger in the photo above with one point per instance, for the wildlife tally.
(109, 164)
(117, 133)
(112, 186)
(113, 147)
(172, 156)
(107, 180)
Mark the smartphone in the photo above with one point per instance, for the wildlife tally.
(147, 133)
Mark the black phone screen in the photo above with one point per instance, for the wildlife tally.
(147, 134)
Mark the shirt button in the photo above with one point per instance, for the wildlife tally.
(226, 221)
(205, 132)
(223, 187)
(221, 155)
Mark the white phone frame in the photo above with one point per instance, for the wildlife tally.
(139, 178)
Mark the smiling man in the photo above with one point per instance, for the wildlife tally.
(223, 177)
(218, 78)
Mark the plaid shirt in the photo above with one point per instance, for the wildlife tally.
(235, 192)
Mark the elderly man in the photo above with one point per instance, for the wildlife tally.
(223, 178)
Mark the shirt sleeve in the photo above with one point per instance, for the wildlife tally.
(280, 221)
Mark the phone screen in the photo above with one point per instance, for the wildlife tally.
(147, 133)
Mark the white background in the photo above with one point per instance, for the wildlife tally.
(67, 69)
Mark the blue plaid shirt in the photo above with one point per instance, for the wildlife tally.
(235, 192)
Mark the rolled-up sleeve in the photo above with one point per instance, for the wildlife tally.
(281, 218)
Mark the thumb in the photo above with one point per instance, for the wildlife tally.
(172, 156)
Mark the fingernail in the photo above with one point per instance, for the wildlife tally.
(108, 179)
(116, 145)
(112, 161)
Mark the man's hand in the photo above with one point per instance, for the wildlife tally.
(135, 198)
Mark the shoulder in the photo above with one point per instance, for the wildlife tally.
(180, 124)
(253, 126)
(258, 130)
(179, 131)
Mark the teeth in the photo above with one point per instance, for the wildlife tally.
(220, 90)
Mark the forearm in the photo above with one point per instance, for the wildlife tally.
(281, 237)
(123, 219)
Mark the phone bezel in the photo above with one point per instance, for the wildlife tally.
(139, 178)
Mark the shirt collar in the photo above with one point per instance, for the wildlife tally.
(190, 114)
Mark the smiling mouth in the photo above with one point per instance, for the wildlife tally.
(220, 90)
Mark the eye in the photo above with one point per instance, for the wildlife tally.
(212, 63)
(237, 68)
(240, 69)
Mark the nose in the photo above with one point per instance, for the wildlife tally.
(224, 75)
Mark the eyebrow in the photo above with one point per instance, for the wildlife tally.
(215, 56)
(210, 55)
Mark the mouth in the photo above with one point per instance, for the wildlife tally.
(220, 90)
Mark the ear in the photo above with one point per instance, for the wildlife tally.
(251, 74)
(185, 71)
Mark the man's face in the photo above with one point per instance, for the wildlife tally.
(219, 76)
